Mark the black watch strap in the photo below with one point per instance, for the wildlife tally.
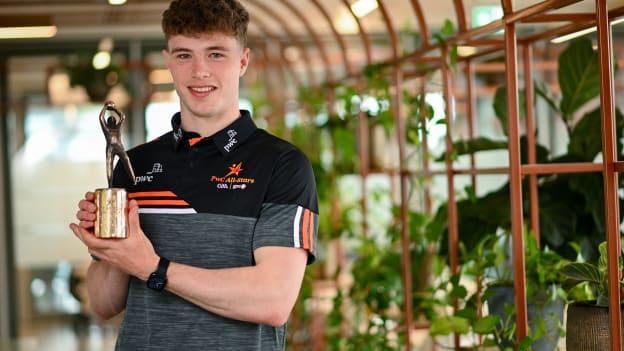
(163, 264)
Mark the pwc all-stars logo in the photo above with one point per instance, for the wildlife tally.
(232, 180)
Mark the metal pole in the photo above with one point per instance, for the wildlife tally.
(612, 216)
(8, 297)
(450, 175)
(530, 134)
(511, 64)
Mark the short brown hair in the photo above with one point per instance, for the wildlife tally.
(194, 17)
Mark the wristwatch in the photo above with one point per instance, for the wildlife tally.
(158, 279)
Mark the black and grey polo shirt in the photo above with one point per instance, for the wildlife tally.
(210, 202)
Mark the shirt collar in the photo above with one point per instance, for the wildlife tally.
(226, 140)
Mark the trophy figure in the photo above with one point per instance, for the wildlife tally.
(112, 203)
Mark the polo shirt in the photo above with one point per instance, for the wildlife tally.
(209, 203)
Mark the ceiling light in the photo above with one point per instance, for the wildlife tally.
(345, 23)
(27, 32)
(466, 50)
(580, 33)
(116, 2)
(101, 60)
(362, 8)
(21, 27)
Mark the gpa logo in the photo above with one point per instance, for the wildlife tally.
(232, 180)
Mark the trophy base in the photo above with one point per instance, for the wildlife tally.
(112, 213)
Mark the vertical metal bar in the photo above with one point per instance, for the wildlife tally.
(363, 143)
(530, 134)
(612, 216)
(511, 65)
(425, 149)
(450, 178)
(470, 114)
(9, 301)
(400, 129)
(137, 77)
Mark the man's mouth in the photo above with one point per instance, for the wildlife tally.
(202, 90)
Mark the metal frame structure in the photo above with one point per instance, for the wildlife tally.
(610, 167)
(516, 171)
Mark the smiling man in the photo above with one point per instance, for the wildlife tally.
(223, 217)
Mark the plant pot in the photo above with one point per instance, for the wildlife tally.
(587, 328)
(541, 307)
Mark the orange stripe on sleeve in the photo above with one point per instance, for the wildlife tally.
(163, 202)
(151, 194)
(311, 232)
(305, 227)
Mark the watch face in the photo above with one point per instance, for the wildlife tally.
(156, 283)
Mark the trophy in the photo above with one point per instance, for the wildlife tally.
(112, 203)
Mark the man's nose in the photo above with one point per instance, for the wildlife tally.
(201, 70)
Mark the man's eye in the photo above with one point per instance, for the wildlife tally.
(183, 56)
(216, 55)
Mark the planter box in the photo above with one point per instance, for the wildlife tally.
(587, 328)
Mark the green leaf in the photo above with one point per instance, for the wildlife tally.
(582, 272)
(500, 106)
(578, 76)
(448, 325)
(543, 90)
(464, 147)
(486, 325)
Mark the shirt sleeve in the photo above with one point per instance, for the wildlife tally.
(289, 213)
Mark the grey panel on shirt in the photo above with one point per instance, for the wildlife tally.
(163, 321)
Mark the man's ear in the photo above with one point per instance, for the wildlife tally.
(244, 62)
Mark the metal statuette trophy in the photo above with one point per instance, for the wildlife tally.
(112, 203)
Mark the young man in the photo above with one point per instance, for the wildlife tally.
(226, 212)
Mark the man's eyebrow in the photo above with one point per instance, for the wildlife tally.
(179, 49)
(216, 47)
(210, 48)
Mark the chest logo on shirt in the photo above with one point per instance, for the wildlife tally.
(231, 134)
(232, 179)
(149, 176)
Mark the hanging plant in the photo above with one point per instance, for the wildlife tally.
(96, 82)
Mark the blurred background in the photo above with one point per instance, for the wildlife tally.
(60, 59)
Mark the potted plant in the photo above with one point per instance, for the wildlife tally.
(587, 327)
(545, 297)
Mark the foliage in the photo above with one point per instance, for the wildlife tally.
(97, 82)
(593, 278)
(571, 205)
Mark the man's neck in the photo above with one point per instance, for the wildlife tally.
(207, 126)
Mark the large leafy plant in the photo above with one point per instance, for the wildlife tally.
(571, 205)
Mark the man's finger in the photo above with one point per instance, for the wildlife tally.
(76, 230)
(90, 196)
(86, 224)
(133, 217)
(85, 216)
(86, 205)
(89, 239)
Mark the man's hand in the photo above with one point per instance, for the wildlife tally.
(134, 255)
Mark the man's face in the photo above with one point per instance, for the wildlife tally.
(206, 69)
